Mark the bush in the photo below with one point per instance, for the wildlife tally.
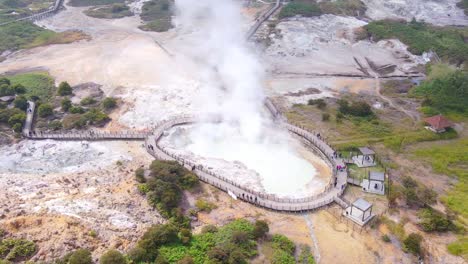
(209, 229)
(359, 108)
(445, 94)
(156, 236)
(261, 229)
(16, 249)
(386, 238)
(109, 103)
(112, 257)
(281, 242)
(433, 220)
(55, 125)
(140, 175)
(45, 110)
(320, 103)
(21, 102)
(306, 257)
(18, 118)
(308, 9)
(87, 101)
(173, 172)
(80, 256)
(205, 206)
(64, 89)
(325, 117)
(77, 110)
(66, 104)
(96, 117)
(412, 244)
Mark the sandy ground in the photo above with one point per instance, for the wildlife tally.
(57, 209)
(336, 241)
(436, 12)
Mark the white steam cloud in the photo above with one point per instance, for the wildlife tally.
(231, 79)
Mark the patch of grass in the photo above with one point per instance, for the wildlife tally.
(94, 2)
(157, 15)
(37, 84)
(343, 7)
(448, 42)
(205, 206)
(109, 12)
(303, 8)
(451, 159)
(16, 249)
(459, 248)
(24, 35)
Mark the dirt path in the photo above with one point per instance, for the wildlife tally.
(413, 115)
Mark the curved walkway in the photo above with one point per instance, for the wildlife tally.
(57, 5)
(331, 193)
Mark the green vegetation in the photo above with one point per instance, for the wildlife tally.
(64, 89)
(451, 159)
(446, 92)
(109, 12)
(320, 103)
(112, 257)
(79, 256)
(168, 179)
(16, 249)
(21, 102)
(37, 84)
(109, 103)
(386, 239)
(433, 220)
(463, 4)
(140, 175)
(205, 206)
(449, 43)
(45, 110)
(306, 257)
(87, 101)
(94, 2)
(412, 243)
(66, 104)
(356, 108)
(303, 8)
(343, 7)
(157, 15)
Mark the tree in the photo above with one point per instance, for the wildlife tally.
(45, 110)
(412, 243)
(18, 118)
(112, 257)
(64, 89)
(21, 102)
(66, 104)
(109, 103)
(261, 229)
(19, 89)
(81, 256)
(152, 240)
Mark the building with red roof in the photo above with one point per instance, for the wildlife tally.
(438, 123)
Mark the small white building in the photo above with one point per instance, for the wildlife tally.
(359, 212)
(375, 183)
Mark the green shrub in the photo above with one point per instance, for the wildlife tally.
(448, 42)
(15, 249)
(261, 229)
(386, 238)
(77, 110)
(18, 118)
(412, 243)
(283, 257)
(433, 220)
(140, 175)
(359, 108)
(80, 256)
(55, 125)
(205, 206)
(64, 89)
(66, 104)
(305, 256)
(305, 9)
(143, 188)
(96, 117)
(459, 248)
(283, 243)
(445, 94)
(21, 102)
(109, 103)
(45, 110)
(112, 257)
(87, 101)
(155, 237)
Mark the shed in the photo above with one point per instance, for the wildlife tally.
(438, 123)
(375, 183)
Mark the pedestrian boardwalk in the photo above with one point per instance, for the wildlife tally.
(57, 5)
(331, 193)
(90, 135)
